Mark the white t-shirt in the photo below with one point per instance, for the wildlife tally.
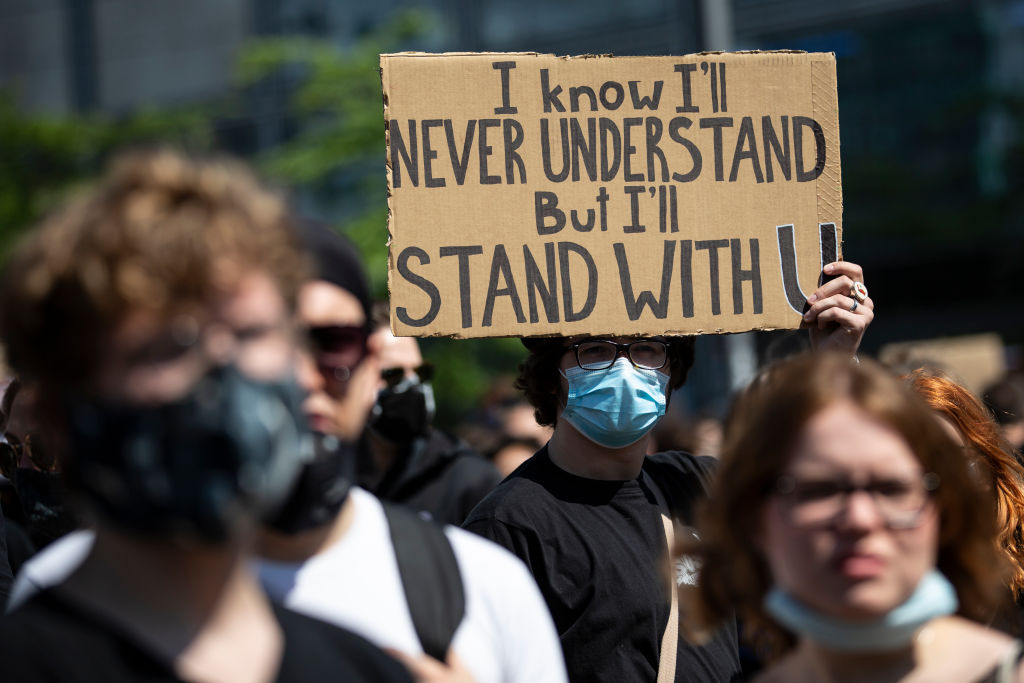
(506, 635)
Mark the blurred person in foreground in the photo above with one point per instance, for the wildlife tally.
(331, 550)
(593, 515)
(845, 531)
(991, 462)
(152, 316)
(328, 548)
(408, 459)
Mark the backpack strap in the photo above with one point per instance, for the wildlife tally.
(430, 577)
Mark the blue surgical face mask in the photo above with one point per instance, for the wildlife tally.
(934, 597)
(615, 407)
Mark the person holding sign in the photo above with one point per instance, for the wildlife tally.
(590, 512)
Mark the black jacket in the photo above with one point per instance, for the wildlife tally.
(438, 474)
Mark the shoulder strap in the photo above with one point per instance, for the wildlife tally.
(670, 638)
(430, 578)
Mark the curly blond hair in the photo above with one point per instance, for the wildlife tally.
(160, 232)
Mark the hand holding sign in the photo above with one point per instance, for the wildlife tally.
(836, 319)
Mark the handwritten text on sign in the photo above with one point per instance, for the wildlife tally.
(533, 194)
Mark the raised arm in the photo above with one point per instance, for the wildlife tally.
(840, 310)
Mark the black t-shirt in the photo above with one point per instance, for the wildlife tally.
(48, 639)
(596, 549)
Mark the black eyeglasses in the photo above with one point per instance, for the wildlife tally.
(337, 348)
(600, 354)
(394, 376)
(815, 503)
(33, 445)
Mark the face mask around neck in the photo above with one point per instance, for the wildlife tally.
(934, 597)
(615, 407)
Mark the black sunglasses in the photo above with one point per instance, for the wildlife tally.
(337, 346)
(13, 448)
(394, 376)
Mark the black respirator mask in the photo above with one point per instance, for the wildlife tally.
(320, 489)
(226, 452)
(404, 411)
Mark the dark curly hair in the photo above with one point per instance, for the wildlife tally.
(540, 382)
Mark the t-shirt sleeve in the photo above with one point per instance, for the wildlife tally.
(480, 479)
(494, 530)
(683, 479)
(523, 543)
(706, 465)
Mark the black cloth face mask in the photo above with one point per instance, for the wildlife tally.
(320, 489)
(226, 452)
(405, 411)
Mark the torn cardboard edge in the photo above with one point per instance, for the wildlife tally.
(415, 53)
(659, 333)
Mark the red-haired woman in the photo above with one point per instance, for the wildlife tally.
(990, 458)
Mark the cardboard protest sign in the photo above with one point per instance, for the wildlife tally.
(975, 360)
(535, 195)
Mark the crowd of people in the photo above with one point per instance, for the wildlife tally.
(219, 464)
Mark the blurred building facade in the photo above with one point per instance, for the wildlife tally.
(930, 94)
(118, 55)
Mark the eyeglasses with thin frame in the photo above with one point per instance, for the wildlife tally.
(821, 502)
(394, 376)
(600, 354)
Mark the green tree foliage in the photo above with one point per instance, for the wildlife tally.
(335, 162)
(44, 157)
